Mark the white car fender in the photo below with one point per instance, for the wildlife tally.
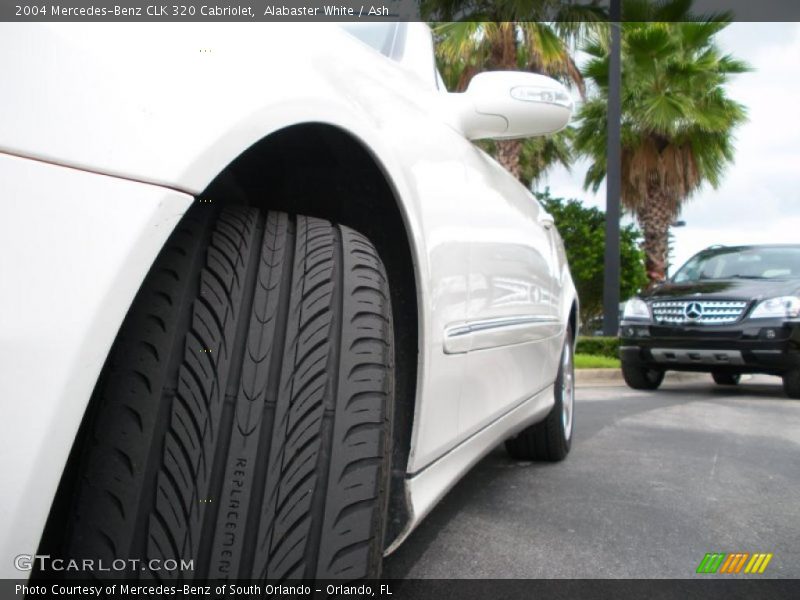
(148, 111)
(174, 106)
(95, 238)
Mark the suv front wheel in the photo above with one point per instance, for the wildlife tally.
(641, 378)
(791, 384)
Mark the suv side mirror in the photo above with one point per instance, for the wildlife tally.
(510, 104)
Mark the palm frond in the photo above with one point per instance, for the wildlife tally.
(677, 118)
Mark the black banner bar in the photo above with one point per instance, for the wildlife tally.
(701, 588)
(360, 10)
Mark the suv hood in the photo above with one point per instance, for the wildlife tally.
(723, 289)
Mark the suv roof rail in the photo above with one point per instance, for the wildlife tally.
(712, 246)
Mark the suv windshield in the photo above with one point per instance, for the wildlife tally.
(753, 262)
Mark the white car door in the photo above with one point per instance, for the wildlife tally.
(491, 318)
(400, 103)
(513, 327)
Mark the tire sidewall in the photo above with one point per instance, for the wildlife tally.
(564, 436)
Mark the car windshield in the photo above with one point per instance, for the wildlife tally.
(767, 262)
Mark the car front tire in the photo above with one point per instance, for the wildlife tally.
(243, 417)
(550, 440)
(641, 378)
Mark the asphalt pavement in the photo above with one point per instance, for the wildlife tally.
(654, 481)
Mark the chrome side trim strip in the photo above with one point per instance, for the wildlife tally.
(493, 333)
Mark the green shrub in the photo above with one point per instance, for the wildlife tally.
(583, 230)
(591, 361)
(598, 346)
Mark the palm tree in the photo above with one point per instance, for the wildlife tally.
(496, 41)
(677, 120)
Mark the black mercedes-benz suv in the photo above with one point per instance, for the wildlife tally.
(727, 311)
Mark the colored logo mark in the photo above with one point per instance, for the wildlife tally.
(735, 562)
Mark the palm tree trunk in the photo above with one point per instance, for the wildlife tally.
(504, 57)
(655, 218)
(508, 153)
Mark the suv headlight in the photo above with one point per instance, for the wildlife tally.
(781, 307)
(636, 308)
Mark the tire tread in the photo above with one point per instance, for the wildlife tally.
(243, 416)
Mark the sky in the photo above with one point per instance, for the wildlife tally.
(759, 198)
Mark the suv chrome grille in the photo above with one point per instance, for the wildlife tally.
(698, 312)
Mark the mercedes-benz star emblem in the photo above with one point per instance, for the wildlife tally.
(693, 311)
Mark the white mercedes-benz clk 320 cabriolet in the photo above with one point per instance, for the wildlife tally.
(263, 301)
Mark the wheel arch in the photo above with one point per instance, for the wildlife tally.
(321, 170)
(573, 320)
